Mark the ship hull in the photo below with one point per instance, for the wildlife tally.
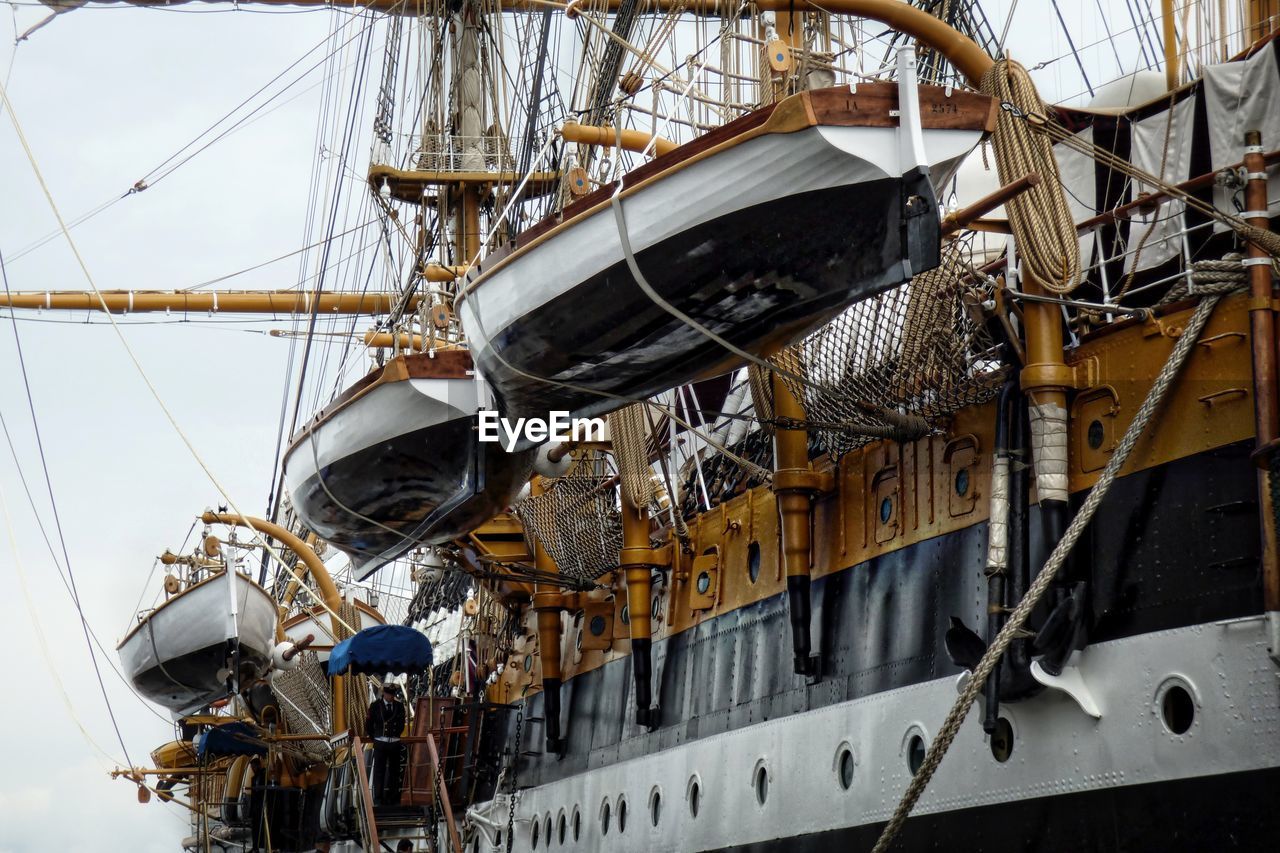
(1173, 614)
(178, 656)
(759, 244)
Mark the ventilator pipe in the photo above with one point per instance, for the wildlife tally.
(1016, 681)
(547, 603)
(629, 140)
(636, 562)
(998, 540)
(328, 591)
(1262, 320)
(794, 484)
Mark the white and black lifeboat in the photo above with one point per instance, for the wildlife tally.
(396, 461)
(182, 654)
(758, 231)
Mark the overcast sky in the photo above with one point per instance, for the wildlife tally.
(105, 94)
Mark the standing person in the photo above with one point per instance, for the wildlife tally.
(385, 723)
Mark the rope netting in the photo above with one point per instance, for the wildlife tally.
(577, 519)
(304, 702)
(920, 349)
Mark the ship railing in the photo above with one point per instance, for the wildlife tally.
(446, 152)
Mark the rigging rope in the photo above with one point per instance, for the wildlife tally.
(1043, 227)
(630, 437)
(1012, 628)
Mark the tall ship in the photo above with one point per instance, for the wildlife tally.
(780, 429)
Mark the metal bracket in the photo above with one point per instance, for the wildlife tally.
(1071, 682)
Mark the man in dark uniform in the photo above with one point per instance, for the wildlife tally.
(385, 723)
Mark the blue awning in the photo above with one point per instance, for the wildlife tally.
(380, 650)
(231, 739)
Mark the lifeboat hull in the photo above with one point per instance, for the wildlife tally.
(759, 236)
(398, 463)
(178, 656)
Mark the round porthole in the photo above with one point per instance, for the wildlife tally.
(962, 482)
(761, 783)
(915, 749)
(528, 663)
(704, 583)
(845, 767)
(694, 796)
(1177, 706)
(548, 833)
(1002, 740)
(655, 609)
(626, 614)
(604, 817)
(753, 561)
(537, 828)
(622, 814)
(886, 510)
(596, 625)
(562, 827)
(655, 806)
(1095, 434)
(577, 823)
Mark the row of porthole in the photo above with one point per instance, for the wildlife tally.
(562, 827)
(1176, 706)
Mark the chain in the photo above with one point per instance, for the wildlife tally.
(515, 769)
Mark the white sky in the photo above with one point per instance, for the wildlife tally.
(104, 94)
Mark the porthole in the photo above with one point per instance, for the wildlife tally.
(536, 829)
(528, 663)
(845, 767)
(1177, 708)
(655, 806)
(562, 827)
(694, 796)
(622, 814)
(626, 614)
(577, 642)
(577, 823)
(915, 750)
(704, 583)
(1096, 434)
(655, 609)
(604, 818)
(761, 783)
(962, 482)
(597, 625)
(753, 561)
(886, 510)
(548, 832)
(1002, 740)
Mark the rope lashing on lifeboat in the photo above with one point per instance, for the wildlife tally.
(1214, 291)
(1043, 228)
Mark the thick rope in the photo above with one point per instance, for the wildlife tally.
(978, 678)
(630, 437)
(1043, 228)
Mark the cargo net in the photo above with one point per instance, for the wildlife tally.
(576, 518)
(304, 701)
(913, 354)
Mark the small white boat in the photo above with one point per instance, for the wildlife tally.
(759, 231)
(395, 462)
(181, 654)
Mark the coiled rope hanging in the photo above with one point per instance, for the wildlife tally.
(1214, 290)
(630, 437)
(1043, 228)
